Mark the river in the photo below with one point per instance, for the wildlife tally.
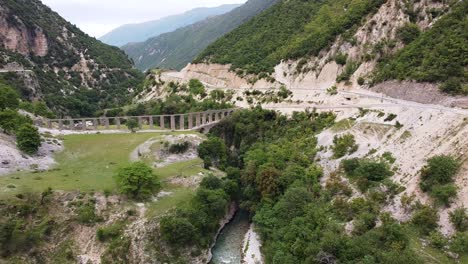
(228, 247)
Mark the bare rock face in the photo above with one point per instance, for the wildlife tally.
(17, 37)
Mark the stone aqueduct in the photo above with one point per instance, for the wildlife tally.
(176, 122)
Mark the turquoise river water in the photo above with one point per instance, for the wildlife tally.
(228, 247)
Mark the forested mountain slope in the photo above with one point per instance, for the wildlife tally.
(176, 49)
(73, 73)
(320, 44)
(143, 31)
(290, 29)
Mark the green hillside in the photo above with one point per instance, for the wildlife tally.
(176, 49)
(289, 29)
(62, 83)
(437, 55)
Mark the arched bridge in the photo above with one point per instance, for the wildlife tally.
(176, 122)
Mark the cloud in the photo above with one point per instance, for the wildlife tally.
(98, 17)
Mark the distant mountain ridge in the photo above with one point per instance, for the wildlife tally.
(142, 31)
(176, 49)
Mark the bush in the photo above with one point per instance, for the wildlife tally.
(87, 214)
(361, 81)
(444, 194)
(341, 58)
(9, 98)
(437, 178)
(28, 139)
(11, 121)
(453, 86)
(366, 172)
(460, 243)
(345, 144)
(179, 148)
(137, 181)
(437, 240)
(425, 219)
(459, 219)
(109, 232)
(408, 32)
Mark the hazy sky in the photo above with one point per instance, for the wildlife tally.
(97, 17)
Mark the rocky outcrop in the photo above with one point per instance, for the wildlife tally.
(17, 37)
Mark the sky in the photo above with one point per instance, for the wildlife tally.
(97, 17)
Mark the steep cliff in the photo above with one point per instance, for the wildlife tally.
(76, 74)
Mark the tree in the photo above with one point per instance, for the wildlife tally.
(132, 124)
(177, 230)
(196, 87)
(137, 180)
(9, 98)
(213, 150)
(28, 139)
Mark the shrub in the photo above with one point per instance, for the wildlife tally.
(342, 145)
(332, 90)
(437, 178)
(28, 139)
(366, 171)
(341, 58)
(87, 214)
(408, 32)
(11, 121)
(361, 81)
(460, 243)
(444, 194)
(9, 98)
(437, 240)
(453, 86)
(390, 117)
(109, 232)
(459, 219)
(137, 180)
(179, 148)
(425, 219)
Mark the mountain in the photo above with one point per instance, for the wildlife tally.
(47, 58)
(290, 29)
(176, 49)
(143, 31)
(320, 44)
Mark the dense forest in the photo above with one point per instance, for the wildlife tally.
(272, 159)
(289, 29)
(438, 55)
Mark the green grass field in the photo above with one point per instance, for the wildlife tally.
(89, 162)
